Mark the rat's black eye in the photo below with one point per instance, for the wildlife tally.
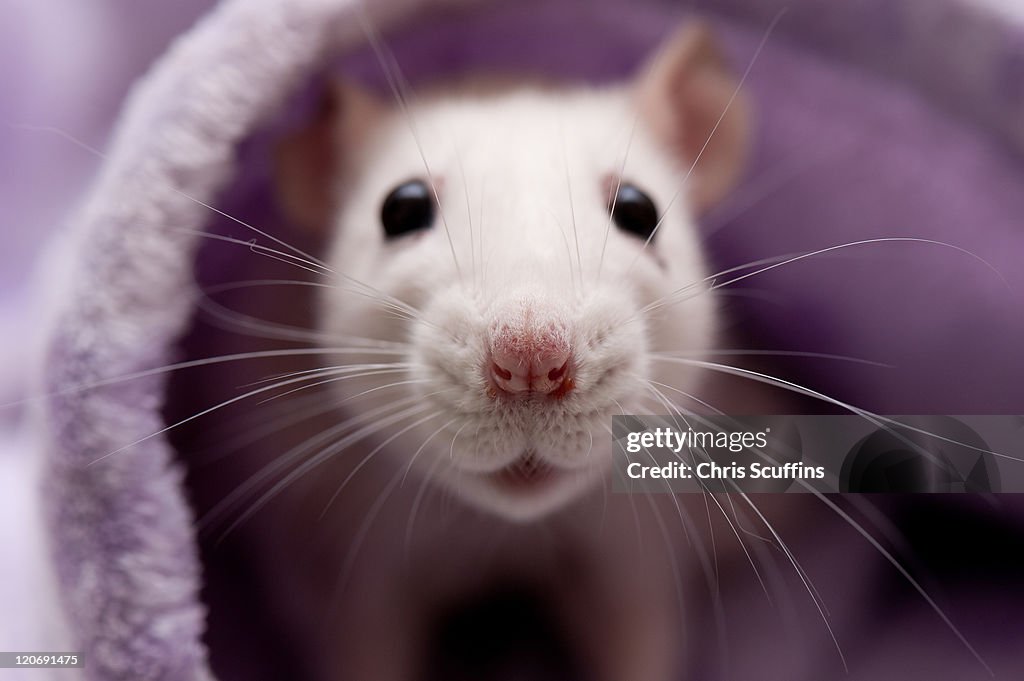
(408, 208)
(634, 211)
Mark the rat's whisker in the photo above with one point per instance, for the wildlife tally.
(677, 578)
(572, 211)
(766, 185)
(707, 566)
(347, 377)
(255, 425)
(892, 560)
(673, 409)
(359, 466)
(428, 479)
(423, 446)
(875, 419)
(314, 267)
(451, 448)
(300, 255)
(736, 525)
(801, 574)
(565, 242)
(247, 321)
(811, 590)
(615, 194)
(480, 222)
(362, 422)
(339, 369)
(323, 455)
(780, 261)
(243, 323)
(765, 353)
(200, 414)
(469, 209)
(732, 99)
(685, 394)
(706, 493)
(206, 361)
(364, 528)
(865, 242)
(247, 325)
(303, 257)
(355, 286)
(403, 94)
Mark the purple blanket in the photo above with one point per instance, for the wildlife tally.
(874, 120)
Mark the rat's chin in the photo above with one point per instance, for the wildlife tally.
(525, 489)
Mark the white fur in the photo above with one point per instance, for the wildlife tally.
(523, 148)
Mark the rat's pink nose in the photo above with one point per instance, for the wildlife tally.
(531, 362)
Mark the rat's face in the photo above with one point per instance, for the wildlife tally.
(513, 240)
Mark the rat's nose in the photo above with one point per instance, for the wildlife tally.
(531, 361)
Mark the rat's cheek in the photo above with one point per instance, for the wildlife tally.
(681, 311)
(447, 349)
(686, 322)
(614, 335)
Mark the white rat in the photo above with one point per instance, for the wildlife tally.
(501, 241)
(498, 250)
(503, 214)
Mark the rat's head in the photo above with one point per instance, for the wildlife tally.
(512, 235)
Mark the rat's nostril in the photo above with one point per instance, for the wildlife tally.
(514, 374)
(556, 374)
(528, 357)
(500, 372)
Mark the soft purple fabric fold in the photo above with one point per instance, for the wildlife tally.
(122, 534)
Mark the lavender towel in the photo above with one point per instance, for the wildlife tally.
(876, 119)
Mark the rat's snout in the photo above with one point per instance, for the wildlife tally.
(530, 352)
(531, 363)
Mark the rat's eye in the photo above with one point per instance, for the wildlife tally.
(634, 211)
(408, 208)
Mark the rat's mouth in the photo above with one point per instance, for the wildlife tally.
(529, 487)
(526, 476)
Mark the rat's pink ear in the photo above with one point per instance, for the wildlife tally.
(308, 161)
(684, 93)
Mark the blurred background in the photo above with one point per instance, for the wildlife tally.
(65, 67)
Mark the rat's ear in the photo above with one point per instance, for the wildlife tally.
(308, 160)
(684, 93)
